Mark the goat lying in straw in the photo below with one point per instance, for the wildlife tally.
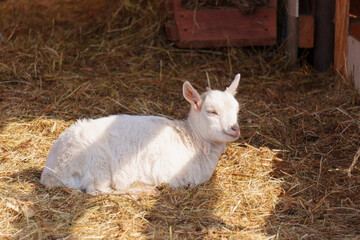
(110, 154)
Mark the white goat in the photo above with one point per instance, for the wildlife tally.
(110, 154)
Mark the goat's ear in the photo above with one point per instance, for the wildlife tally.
(192, 96)
(232, 88)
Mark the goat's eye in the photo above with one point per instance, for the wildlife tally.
(213, 112)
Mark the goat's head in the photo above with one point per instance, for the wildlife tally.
(213, 115)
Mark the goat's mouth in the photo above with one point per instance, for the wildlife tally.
(232, 135)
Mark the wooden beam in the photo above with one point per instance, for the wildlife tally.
(341, 35)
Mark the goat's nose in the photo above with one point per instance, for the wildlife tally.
(235, 128)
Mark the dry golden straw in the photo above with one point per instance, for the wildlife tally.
(285, 178)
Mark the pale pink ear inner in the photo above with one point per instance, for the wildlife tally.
(192, 96)
(198, 104)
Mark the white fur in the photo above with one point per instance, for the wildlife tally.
(110, 154)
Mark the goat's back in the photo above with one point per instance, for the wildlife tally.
(113, 152)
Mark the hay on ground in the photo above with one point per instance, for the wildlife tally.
(285, 178)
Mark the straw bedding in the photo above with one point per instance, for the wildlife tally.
(285, 178)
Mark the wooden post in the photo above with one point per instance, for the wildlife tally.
(292, 29)
(341, 35)
(324, 35)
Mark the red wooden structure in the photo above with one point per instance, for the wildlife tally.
(221, 27)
